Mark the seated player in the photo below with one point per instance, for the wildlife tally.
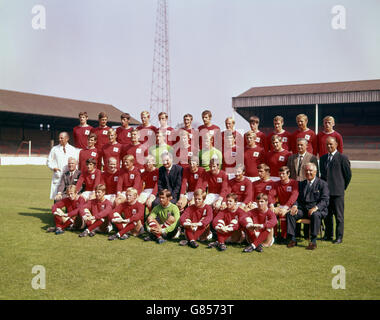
(276, 158)
(217, 183)
(264, 185)
(149, 181)
(285, 136)
(95, 213)
(196, 220)
(191, 177)
(128, 217)
(110, 178)
(163, 221)
(253, 156)
(91, 178)
(257, 224)
(89, 152)
(242, 187)
(226, 224)
(72, 203)
(129, 177)
(110, 149)
(286, 193)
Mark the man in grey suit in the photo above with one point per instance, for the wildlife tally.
(297, 161)
(69, 177)
(312, 203)
(336, 171)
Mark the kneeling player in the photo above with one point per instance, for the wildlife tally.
(163, 220)
(72, 203)
(128, 216)
(196, 219)
(95, 212)
(226, 224)
(257, 224)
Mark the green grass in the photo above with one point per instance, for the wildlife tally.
(94, 268)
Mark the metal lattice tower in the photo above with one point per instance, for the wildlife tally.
(160, 90)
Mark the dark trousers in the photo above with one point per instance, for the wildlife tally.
(336, 209)
(315, 223)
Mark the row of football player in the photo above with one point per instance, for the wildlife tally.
(316, 145)
(283, 192)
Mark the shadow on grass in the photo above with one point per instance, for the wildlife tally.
(46, 217)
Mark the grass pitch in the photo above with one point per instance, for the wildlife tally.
(95, 268)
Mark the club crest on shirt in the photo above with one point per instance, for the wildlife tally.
(105, 132)
(257, 139)
(87, 132)
(219, 180)
(128, 134)
(242, 188)
(307, 137)
(115, 179)
(204, 212)
(93, 176)
(196, 176)
(168, 132)
(268, 187)
(285, 139)
(256, 154)
(93, 154)
(190, 136)
(289, 189)
(115, 149)
(154, 178)
(134, 211)
(132, 176)
(281, 158)
(138, 150)
(233, 153)
(190, 154)
(211, 132)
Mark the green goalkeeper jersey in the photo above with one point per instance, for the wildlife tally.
(161, 214)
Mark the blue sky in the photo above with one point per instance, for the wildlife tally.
(102, 51)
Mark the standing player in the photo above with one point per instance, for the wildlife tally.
(209, 152)
(285, 136)
(165, 129)
(160, 148)
(183, 149)
(128, 217)
(211, 130)
(95, 213)
(101, 131)
(328, 131)
(254, 122)
(89, 152)
(82, 131)
(146, 130)
(192, 133)
(111, 149)
(72, 203)
(304, 132)
(124, 131)
(277, 158)
(196, 220)
(162, 223)
(253, 156)
(257, 224)
(226, 224)
(285, 193)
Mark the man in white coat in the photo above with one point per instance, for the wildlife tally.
(58, 159)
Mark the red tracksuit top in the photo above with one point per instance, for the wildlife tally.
(72, 206)
(203, 215)
(252, 158)
(287, 194)
(129, 179)
(261, 187)
(123, 135)
(110, 180)
(150, 180)
(242, 188)
(268, 218)
(80, 135)
(86, 154)
(229, 218)
(133, 212)
(108, 151)
(91, 180)
(102, 134)
(276, 160)
(98, 209)
(190, 180)
(215, 183)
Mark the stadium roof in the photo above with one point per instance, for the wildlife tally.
(330, 92)
(35, 104)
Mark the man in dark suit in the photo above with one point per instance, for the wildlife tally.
(169, 177)
(336, 171)
(297, 161)
(69, 177)
(312, 203)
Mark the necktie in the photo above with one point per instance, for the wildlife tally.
(64, 149)
(300, 158)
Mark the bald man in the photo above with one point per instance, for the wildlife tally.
(58, 159)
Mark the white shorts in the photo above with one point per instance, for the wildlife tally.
(253, 179)
(144, 195)
(189, 196)
(110, 197)
(211, 198)
(87, 194)
(275, 179)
